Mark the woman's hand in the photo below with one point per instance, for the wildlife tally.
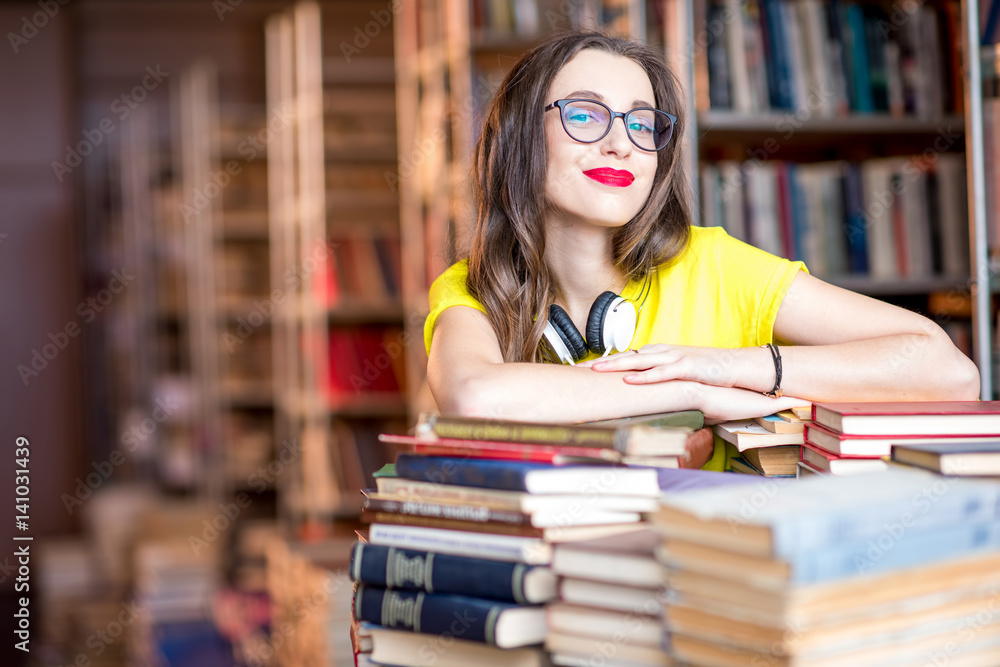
(750, 367)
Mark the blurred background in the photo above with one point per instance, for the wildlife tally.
(220, 219)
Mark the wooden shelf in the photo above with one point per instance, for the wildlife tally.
(361, 70)
(778, 122)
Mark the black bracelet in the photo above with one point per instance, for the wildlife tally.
(776, 356)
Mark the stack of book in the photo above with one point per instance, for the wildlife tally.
(850, 438)
(610, 602)
(768, 446)
(472, 536)
(835, 571)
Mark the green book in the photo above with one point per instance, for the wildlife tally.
(693, 419)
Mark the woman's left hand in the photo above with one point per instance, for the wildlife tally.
(660, 362)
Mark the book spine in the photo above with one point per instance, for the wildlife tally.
(475, 513)
(485, 545)
(429, 613)
(457, 428)
(493, 449)
(394, 568)
(462, 473)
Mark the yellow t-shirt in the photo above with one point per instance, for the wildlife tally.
(719, 292)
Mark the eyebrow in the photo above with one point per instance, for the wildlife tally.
(600, 98)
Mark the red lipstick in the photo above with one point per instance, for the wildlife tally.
(618, 178)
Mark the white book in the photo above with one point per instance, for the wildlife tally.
(917, 224)
(876, 181)
(627, 569)
(764, 228)
(811, 230)
(797, 62)
(731, 194)
(403, 647)
(823, 98)
(611, 596)
(952, 211)
(831, 176)
(588, 622)
(510, 548)
(739, 76)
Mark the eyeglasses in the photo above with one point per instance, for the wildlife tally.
(589, 121)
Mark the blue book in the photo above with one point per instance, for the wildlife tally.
(391, 567)
(855, 223)
(488, 622)
(774, 520)
(777, 55)
(530, 477)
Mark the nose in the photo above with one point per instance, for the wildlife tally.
(616, 141)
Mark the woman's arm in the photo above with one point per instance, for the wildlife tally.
(845, 346)
(467, 376)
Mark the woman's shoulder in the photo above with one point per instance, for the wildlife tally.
(452, 277)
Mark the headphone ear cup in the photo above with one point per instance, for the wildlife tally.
(595, 321)
(567, 331)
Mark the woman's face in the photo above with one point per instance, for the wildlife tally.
(603, 183)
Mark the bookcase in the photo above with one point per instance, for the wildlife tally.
(339, 344)
(813, 134)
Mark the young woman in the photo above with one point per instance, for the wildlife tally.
(581, 191)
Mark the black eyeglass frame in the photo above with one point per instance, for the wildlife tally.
(561, 105)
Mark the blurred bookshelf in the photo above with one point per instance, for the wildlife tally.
(340, 352)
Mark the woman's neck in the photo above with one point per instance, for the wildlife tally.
(580, 258)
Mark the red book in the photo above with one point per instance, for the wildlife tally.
(840, 465)
(916, 418)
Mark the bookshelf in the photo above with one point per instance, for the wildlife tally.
(340, 353)
(935, 118)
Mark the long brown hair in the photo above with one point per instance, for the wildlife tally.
(507, 270)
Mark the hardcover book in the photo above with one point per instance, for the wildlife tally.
(957, 457)
(531, 477)
(576, 514)
(400, 647)
(635, 440)
(781, 519)
(490, 622)
(840, 465)
(400, 489)
(395, 568)
(926, 418)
